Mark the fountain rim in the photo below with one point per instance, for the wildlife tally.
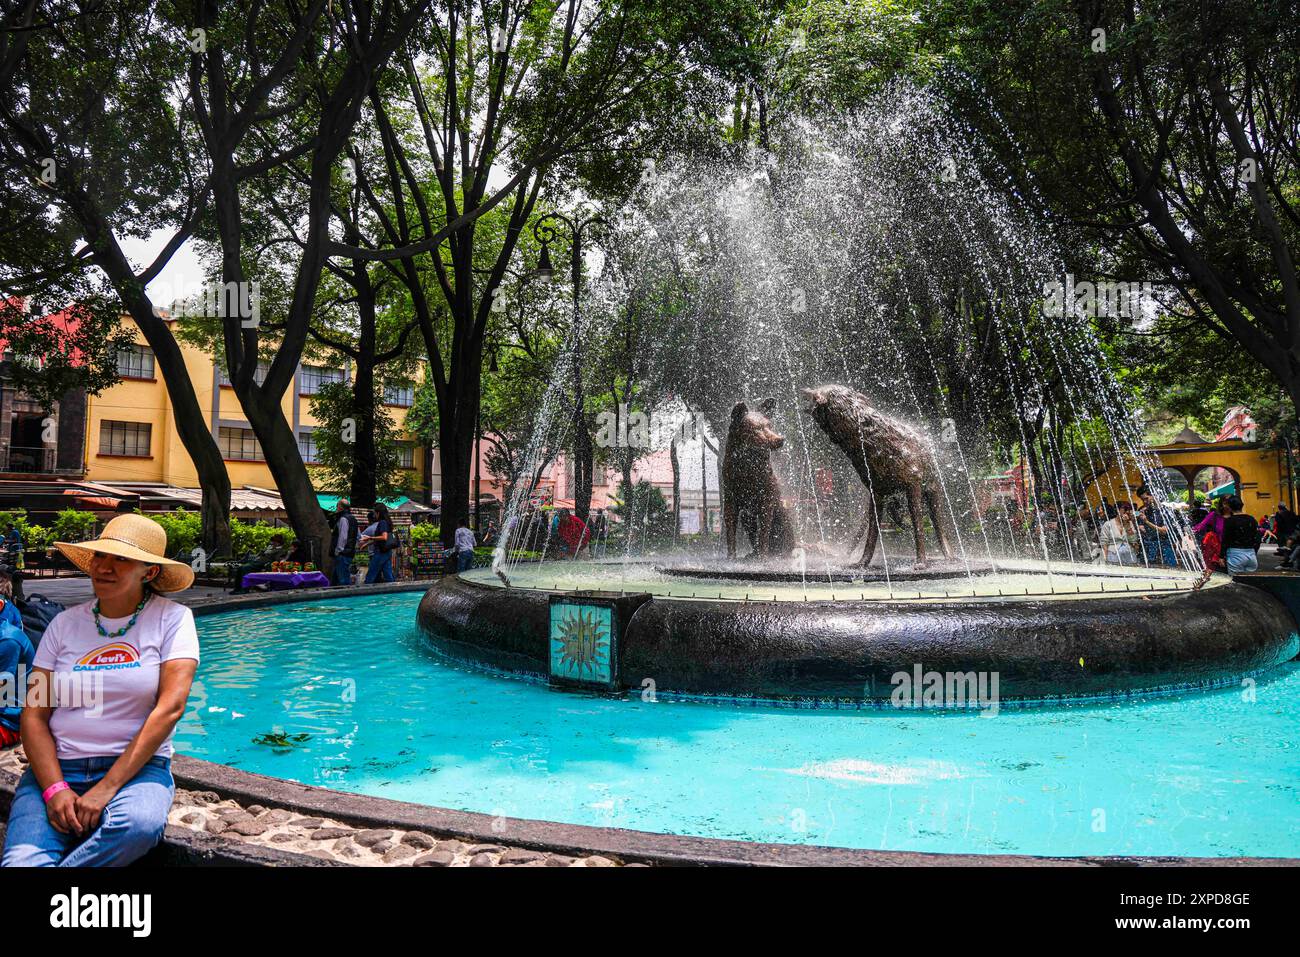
(621, 844)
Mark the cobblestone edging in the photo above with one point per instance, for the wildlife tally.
(225, 816)
(209, 815)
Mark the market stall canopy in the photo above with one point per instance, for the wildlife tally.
(398, 504)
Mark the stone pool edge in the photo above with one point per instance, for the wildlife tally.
(620, 844)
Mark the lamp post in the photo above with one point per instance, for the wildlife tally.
(546, 231)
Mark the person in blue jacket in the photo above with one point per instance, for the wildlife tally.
(8, 610)
(16, 655)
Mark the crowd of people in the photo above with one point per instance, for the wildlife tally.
(1148, 532)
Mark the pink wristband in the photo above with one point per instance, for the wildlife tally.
(54, 789)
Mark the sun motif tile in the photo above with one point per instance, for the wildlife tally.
(581, 643)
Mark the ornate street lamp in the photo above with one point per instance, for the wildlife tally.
(546, 232)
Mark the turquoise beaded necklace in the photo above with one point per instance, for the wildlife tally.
(121, 631)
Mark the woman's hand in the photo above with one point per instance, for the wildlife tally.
(61, 809)
(90, 806)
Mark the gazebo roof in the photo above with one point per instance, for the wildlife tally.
(1188, 436)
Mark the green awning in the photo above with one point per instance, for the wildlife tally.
(330, 502)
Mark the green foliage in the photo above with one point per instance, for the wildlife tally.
(183, 530)
(255, 537)
(424, 532)
(341, 422)
(643, 516)
(71, 525)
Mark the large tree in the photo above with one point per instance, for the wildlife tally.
(513, 92)
(1166, 134)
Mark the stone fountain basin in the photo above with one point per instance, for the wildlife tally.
(850, 649)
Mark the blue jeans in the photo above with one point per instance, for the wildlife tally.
(1241, 560)
(381, 566)
(132, 823)
(342, 570)
(464, 560)
(1159, 552)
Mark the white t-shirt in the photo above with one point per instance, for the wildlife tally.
(106, 687)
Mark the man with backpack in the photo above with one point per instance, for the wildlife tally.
(343, 543)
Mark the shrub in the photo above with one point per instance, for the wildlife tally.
(35, 537)
(71, 525)
(425, 532)
(643, 515)
(254, 537)
(183, 529)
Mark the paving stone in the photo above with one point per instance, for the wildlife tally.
(434, 859)
(455, 847)
(215, 826)
(323, 855)
(368, 837)
(277, 815)
(416, 839)
(255, 809)
(206, 797)
(306, 822)
(194, 817)
(400, 852)
(517, 855)
(329, 833)
(597, 861)
(485, 849)
(283, 838)
(383, 847)
(558, 860)
(482, 860)
(250, 828)
(346, 848)
(232, 814)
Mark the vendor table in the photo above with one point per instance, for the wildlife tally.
(280, 581)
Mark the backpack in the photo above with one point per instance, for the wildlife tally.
(37, 611)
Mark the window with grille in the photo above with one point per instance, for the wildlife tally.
(402, 394)
(313, 377)
(263, 367)
(135, 362)
(307, 447)
(406, 455)
(124, 438)
(239, 444)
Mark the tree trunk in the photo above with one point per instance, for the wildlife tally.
(677, 490)
(191, 424)
(283, 458)
(456, 446)
(364, 479)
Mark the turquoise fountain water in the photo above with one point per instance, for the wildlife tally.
(1213, 774)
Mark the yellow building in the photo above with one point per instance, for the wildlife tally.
(1256, 472)
(131, 433)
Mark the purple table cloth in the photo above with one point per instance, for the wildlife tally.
(280, 581)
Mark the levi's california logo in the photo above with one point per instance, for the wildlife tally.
(111, 657)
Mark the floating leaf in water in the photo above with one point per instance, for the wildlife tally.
(1080, 662)
(281, 742)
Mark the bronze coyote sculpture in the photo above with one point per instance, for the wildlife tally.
(751, 492)
(889, 456)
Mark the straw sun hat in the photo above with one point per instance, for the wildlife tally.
(132, 536)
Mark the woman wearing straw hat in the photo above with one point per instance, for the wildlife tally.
(109, 682)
